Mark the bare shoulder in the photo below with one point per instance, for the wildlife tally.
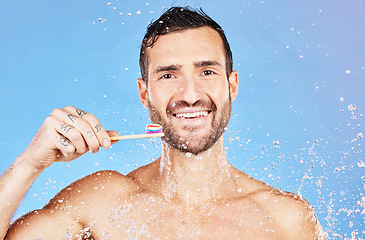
(291, 212)
(68, 211)
(96, 191)
(106, 181)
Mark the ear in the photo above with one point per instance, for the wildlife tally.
(143, 92)
(233, 83)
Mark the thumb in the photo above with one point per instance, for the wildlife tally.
(112, 134)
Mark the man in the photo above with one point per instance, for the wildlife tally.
(191, 191)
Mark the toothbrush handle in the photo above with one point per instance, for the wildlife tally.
(145, 135)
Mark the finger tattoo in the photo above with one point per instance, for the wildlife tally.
(80, 113)
(72, 117)
(97, 127)
(66, 128)
(64, 141)
(90, 134)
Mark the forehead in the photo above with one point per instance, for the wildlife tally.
(185, 46)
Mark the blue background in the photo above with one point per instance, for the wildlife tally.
(301, 64)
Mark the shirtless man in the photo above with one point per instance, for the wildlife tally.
(191, 191)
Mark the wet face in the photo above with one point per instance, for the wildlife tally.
(188, 91)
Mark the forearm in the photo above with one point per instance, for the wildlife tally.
(14, 184)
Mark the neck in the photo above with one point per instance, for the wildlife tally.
(195, 178)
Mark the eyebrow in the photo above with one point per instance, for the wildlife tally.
(173, 67)
(206, 64)
(176, 67)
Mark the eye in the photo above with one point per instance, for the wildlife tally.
(166, 76)
(207, 72)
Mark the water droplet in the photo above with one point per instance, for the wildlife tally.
(348, 71)
(360, 136)
(351, 224)
(342, 99)
(352, 107)
(188, 154)
(360, 163)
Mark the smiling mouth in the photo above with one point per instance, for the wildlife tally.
(192, 114)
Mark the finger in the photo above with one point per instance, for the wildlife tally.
(68, 132)
(112, 134)
(74, 124)
(66, 150)
(71, 135)
(100, 133)
(64, 146)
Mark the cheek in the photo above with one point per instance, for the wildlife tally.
(219, 93)
(159, 97)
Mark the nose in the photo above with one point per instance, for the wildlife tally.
(189, 91)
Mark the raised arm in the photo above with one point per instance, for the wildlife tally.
(64, 136)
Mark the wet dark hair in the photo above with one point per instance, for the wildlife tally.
(178, 19)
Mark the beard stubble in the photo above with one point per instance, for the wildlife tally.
(192, 144)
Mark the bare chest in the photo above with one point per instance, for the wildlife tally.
(164, 220)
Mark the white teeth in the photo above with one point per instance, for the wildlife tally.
(192, 115)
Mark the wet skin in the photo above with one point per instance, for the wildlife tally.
(178, 196)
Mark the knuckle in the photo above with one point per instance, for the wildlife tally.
(69, 107)
(48, 120)
(56, 111)
(48, 124)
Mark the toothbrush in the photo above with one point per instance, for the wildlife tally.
(152, 130)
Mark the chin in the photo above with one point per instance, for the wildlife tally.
(192, 142)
